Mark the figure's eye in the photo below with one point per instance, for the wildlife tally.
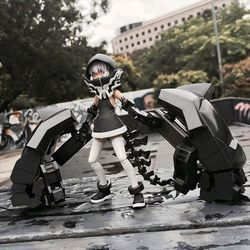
(98, 74)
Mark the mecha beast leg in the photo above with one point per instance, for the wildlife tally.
(206, 153)
(220, 157)
(36, 175)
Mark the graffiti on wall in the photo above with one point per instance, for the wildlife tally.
(17, 126)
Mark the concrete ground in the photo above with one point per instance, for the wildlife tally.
(167, 222)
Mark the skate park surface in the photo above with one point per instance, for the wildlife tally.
(167, 222)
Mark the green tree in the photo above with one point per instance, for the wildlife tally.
(237, 78)
(232, 13)
(130, 78)
(192, 46)
(42, 50)
(6, 87)
(180, 78)
(143, 64)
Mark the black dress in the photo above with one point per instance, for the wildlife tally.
(107, 123)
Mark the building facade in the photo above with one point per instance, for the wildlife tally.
(144, 34)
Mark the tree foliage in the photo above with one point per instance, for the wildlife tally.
(42, 50)
(180, 78)
(131, 76)
(237, 78)
(192, 46)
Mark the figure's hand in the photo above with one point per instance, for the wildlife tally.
(152, 121)
(85, 127)
(146, 118)
(91, 114)
(83, 132)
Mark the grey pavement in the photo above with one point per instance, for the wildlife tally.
(167, 222)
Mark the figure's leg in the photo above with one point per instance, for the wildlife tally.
(136, 187)
(94, 154)
(103, 184)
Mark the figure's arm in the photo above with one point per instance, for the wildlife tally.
(144, 117)
(79, 138)
(118, 94)
(126, 104)
(96, 100)
(92, 111)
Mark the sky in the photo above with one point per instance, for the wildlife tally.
(123, 12)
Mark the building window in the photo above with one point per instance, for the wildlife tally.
(162, 26)
(156, 37)
(137, 35)
(215, 7)
(143, 33)
(144, 41)
(176, 21)
(131, 37)
(223, 5)
(169, 24)
(126, 46)
(150, 38)
(121, 48)
(198, 14)
(138, 42)
(155, 28)
(126, 39)
(132, 44)
(183, 19)
(149, 31)
(190, 17)
(120, 41)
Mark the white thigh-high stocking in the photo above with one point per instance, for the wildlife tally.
(94, 154)
(118, 145)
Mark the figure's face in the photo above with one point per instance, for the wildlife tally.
(97, 75)
(98, 70)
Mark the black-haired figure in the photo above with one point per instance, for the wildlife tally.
(103, 79)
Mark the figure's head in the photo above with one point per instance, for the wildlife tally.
(98, 70)
(100, 66)
(102, 75)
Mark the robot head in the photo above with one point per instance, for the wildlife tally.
(102, 75)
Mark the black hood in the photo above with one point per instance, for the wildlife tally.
(102, 58)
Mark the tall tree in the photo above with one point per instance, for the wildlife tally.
(181, 78)
(130, 78)
(192, 46)
(42, 50)
(237, 78)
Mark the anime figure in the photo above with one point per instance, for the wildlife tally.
(103, 78)
(186, 119)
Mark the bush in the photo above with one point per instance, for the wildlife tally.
(237, 78)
